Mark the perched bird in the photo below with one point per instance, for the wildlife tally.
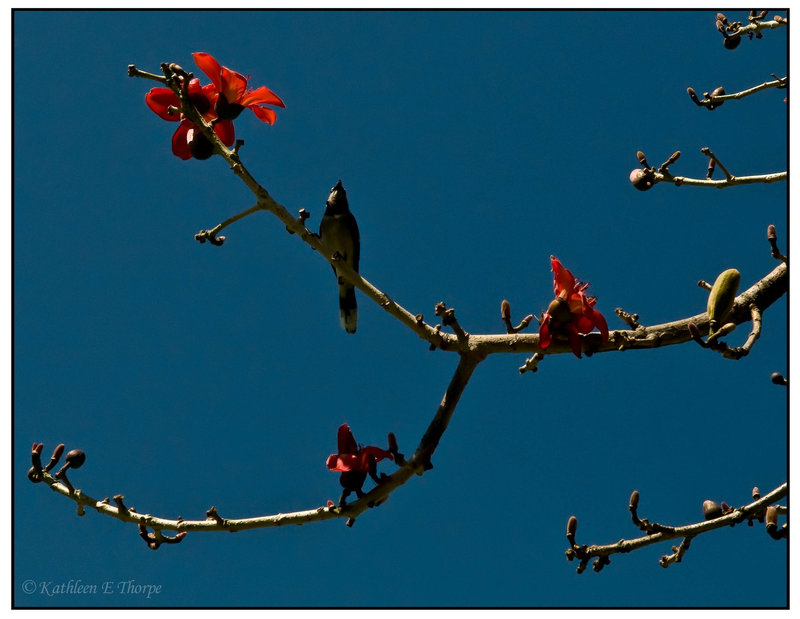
(339, 231)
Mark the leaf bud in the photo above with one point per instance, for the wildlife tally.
(772, 516)
(711, 510)
(572, 526)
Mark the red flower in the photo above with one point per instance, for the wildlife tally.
(354, 462)
(571, 311)
(188, 141)
(233, 93)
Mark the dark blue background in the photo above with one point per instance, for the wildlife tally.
(473, 145)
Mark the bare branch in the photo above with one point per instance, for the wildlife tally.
(718, 96)
(645, 178)
(417, 464)
(731, 517)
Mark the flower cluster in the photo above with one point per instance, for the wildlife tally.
(354, 462)
(219, 103)
(571, 312)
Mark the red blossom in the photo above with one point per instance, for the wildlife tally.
(233, 94)
(351, 457)
(572, 311)
(188, 140)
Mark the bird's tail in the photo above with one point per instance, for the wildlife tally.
(348, 310)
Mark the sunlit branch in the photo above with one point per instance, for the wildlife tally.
(718, 96)
(662, 533)
(417, 464)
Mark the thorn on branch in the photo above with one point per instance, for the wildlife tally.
(677, 553)
(632, 320)
(448, 316)
(532, 363)
(118, 499)
(157, 537)
(212, 514)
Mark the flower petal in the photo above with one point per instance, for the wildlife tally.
(346, 442)
(343, 463)
(562, 278)
(209, 65)
(159, 99)
(264, 114)
(226, 132)
(180, 140)
(261, 95)
(234, 85)
(375, 452)
(599, 321)
(544, 333)
(574, 341)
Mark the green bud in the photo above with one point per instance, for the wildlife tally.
(722, 296)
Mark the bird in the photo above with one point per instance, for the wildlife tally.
(338, 230)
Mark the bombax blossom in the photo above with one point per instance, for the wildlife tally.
(354, 462)
(571, 312)
(188, 140)
(233, 94)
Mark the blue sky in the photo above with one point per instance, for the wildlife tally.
(473, 146)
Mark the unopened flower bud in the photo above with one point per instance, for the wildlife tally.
(634, 502)
(693, 95)
(778, 378)
(772, 234)
(756, 493)
(641, 179)
(76, 458)
(718, 92)
(505, 310)
(199, 145)
(732, 42)
(35, 475)
(722, 295)
(711, 510)
(392, 443)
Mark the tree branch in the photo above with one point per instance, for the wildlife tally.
(417, 464)
(717, 97)
(661, 533)
(645, 178)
